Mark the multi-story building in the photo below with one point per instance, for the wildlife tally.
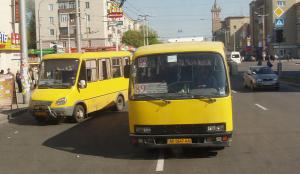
(56, 23)
(274, 26)
(9, 37)
(297, 6)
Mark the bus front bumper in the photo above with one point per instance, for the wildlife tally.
(48, 112)
(189, 140)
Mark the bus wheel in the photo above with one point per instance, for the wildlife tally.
(79, 113)
(119, 104)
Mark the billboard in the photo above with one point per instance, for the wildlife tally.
(7, 85)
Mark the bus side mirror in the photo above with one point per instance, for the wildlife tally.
(82, 84)
(126, 71)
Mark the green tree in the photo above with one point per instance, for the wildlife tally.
(31, 24)
(136, 38)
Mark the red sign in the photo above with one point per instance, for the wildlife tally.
(114, 11)
(17, 14)
(15, 38)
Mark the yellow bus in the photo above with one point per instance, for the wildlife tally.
(179, 95)
(74, 85)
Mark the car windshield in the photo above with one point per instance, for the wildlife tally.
(180, 75)
(235, 56)
(58, 73)
(262, 70)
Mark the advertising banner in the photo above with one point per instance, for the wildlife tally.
(6, 90)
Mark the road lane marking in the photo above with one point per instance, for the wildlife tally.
(233, 91)
(160, 162)
(261, 107)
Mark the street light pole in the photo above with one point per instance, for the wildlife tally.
(39, 24)
(24, 54)
(78, 28)
(234, 44)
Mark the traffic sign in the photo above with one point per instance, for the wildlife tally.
(279, 22)
(278, 12)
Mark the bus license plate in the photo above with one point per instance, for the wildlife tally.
(180, 141)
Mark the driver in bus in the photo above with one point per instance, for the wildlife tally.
(204, 78)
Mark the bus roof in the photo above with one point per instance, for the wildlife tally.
(180, 48)
(88, 55)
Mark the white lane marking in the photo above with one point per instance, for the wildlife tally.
(160, 163)
(261, 107)
(233, 91)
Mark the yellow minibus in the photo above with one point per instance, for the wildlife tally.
(74, 85)
(179, 95)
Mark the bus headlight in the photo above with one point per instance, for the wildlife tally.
(216, 128)
(143, 130)
(61, 101)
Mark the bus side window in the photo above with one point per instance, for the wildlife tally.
(82, 75)
(126, 61)
(91, 71)
(103, 70)
(116, 67)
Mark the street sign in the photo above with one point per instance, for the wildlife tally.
(115, 23)
(279, 23)
(278, 12)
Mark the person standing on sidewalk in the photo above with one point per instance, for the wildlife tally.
(19, 81)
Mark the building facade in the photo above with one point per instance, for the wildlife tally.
(56, 23)
(9, 38)
(274, 26)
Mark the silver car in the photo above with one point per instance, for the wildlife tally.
(261, 77)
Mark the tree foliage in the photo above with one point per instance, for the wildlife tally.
(31, 24)
(136, 38)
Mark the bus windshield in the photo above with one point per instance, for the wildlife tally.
(58, 73)
(178, 76)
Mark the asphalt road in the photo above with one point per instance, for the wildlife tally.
(266, 140)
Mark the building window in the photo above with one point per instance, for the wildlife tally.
(116, 67)
(88, 30)
(51, 20)
(87, 4)
(281, 3)
(63, 18)
(91, 71)
(50, 7)
(51, 32)
(87, 17)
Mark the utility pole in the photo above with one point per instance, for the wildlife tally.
(24, 54)
(234, 39)
(78, 28)
(263, 16)
(69, 37)
(39, 25)
(145, 29)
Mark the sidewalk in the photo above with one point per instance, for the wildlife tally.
(291, 72)
(7, 113)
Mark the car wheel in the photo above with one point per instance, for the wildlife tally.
(79, 113)
(120, 103)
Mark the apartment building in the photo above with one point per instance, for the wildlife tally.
(56, 23)
(274, 24)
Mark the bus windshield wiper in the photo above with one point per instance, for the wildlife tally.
(156, 98)
(204, 97)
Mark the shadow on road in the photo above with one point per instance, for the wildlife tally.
(106, 135)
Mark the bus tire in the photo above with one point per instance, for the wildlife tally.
(79, 113)
(120, 103)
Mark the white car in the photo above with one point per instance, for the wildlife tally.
(236, 57)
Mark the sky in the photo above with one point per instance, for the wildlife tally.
(183, 18)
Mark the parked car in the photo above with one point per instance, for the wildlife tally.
(261, 77)
(249, 58)
(235, 56)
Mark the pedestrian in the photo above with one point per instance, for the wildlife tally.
(272, 58)
(269, 64)
(2, 71)
(19, 81)
(9, 72)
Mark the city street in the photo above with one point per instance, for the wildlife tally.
(266, 140)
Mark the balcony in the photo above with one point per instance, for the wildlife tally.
(65, 36)
(67, 10)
